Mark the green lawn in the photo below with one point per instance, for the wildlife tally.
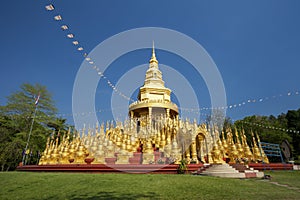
(291, 178)
(25, 185)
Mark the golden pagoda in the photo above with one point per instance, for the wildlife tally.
(154, 99)
(153, 134)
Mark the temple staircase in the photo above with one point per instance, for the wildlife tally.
(229, 171)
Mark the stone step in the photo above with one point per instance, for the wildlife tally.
(227, 171)
(223, 170)
(226, 175)
(203, 168)
(240, 167)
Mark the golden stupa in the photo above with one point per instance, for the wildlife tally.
(153, 97)
(154, 134)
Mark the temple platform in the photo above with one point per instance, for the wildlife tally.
(114, 168)
(271, 166)
(138, 168)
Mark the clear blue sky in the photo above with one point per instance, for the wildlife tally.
(255, 45)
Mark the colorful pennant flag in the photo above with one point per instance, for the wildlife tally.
(57, 17)
(49, 7)
(37, 100)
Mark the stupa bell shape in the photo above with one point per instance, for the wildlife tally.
(154, 98)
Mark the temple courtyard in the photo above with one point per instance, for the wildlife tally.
(27, 185)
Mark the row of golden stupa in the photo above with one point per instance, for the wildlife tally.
(154, 134)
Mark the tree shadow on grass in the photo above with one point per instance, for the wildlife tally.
(115, 195)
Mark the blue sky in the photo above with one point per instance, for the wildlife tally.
(255, 45)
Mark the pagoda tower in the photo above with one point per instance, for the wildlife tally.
(154, 99)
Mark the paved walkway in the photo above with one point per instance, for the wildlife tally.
(283, 185)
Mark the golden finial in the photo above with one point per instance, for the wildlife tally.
(153, 50)
(153, 58)
(236, 136)
(253, 139)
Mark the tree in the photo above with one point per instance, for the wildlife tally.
(293, 122)
(59, 126)
(22, 103)
(15, 121)
(273, 129)
(260, 125)
(217, 118)
(228, 124)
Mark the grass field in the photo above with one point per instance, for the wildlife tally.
(25, 185)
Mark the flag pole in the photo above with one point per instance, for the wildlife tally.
(24, 155)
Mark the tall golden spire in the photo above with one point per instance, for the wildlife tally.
(153, 58)
(153, 94)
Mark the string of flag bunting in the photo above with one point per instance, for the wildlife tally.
(270, 127)
(249, 101)
(70, 35)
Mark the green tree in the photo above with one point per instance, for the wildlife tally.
(59, 126)
(293, 122)
(271, 129)
(228, 124)
(262, 125)
(15, 121)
